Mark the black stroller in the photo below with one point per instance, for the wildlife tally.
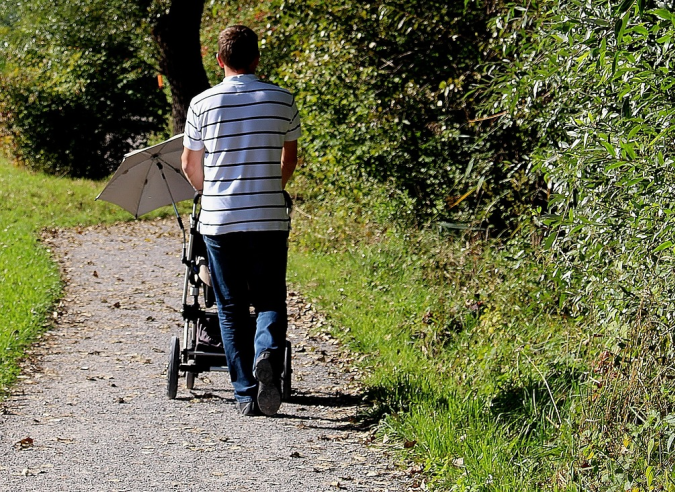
(202, 347)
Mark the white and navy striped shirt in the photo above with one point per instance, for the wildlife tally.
(242, 123)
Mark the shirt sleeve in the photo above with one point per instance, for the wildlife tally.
(192, 138)
(294, 130)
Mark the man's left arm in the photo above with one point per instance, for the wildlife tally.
(193, 167)
(289, 160)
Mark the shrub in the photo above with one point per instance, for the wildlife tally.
(76, 89)
(386, 93)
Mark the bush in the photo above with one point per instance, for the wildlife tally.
(76, 89)
(595, 84)
(386, 93)
(605, 151)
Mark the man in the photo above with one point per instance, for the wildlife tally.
(240, 151)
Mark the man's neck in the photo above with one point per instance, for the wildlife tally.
(229, 72)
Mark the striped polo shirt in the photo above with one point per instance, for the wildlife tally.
(242, 123)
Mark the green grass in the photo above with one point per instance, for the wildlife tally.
(472, 370)
(29, 279)
(440, 402)
(485, 394)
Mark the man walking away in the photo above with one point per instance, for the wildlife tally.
(240, 151)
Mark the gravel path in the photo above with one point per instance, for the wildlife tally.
(90, 412)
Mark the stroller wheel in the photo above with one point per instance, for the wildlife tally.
(172, 370)
(190, 379)
(286, 374)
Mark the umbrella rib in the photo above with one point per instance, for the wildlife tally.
(165, 163)
(140, 195)
(160, 165)
(168, 188)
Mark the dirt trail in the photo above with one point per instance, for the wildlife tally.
(90, 412)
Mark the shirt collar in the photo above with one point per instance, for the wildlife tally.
(241, 77)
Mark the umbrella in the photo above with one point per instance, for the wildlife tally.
(150, 178)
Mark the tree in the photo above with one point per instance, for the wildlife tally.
(387, 93)
(78, 79)
(176, 32)
(78, 88)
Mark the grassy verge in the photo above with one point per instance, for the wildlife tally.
(29, 279)
(471, 369)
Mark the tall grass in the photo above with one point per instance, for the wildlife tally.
(470, 366)
(29, 278)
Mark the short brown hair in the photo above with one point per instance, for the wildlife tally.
(238, 47)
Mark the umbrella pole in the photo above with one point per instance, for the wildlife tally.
(175, 209)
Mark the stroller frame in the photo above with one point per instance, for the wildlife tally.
(201, 347)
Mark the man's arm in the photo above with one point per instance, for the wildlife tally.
(289, 159)
(193, 167)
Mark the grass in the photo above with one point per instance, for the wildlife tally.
(440, 403)
(473, 371)
(470, 368)
(29, 279)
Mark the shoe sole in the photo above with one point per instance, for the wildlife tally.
(269, 396)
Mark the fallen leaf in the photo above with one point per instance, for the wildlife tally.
(25, 443)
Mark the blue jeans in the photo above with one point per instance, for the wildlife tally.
(249, 269)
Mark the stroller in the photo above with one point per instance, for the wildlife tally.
(202, 347)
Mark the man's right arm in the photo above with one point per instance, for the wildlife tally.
(289, 160)
(192, 163)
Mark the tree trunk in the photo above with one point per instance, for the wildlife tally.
(177, 35)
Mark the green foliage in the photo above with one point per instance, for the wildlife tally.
(77, 89)
(594, 84)
(384, 89)
(587, 88)
(219, 15)
(605, 127)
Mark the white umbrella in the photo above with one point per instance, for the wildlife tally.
(150, 178)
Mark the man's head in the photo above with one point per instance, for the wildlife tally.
(238, 49)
